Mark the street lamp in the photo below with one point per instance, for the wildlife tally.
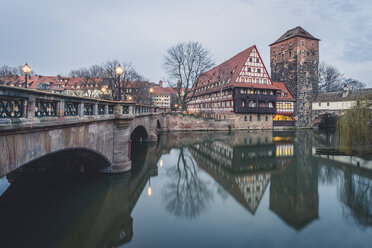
(130, 98)
(119, 71)
(26, 70)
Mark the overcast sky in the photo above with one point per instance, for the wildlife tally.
(57, 36)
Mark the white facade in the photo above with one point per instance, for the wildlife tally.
(162, 101)
(340, 105)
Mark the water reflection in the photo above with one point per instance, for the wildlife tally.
(45, 210)
(275, 179)
(185, 193)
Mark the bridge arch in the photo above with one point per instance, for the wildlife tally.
(71, 159)
(326, 120)
(139, 134)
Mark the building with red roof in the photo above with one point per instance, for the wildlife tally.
(284, 106)
(239, 90)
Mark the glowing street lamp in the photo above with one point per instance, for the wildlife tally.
(149, 190)
(119, 71)
(130, 98)
(151, 90)
(26, 70)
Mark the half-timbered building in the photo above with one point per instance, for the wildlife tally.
(239, 90)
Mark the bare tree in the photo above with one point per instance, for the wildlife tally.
(129, 75)
(141, 93)
(330, 79)
(8, 70)
(354, 84)
(186, 195)
(184, 63)
(89, 80)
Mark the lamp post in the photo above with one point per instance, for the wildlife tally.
(26, 70)
(119, 71)
(151, 90)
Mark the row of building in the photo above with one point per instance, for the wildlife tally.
(141, 91)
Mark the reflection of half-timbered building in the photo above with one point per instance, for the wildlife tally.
(238, 90)
(243, 165)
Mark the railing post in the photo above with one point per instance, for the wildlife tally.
(131, 110)
(81, 109)
(29, 107)
(95, 109)
(118, 109)
(106, 109)
(61, 108)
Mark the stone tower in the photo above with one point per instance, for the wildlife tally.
(294, 59)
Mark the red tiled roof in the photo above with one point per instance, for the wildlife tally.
(282, 87)
(230, 70)
(163, 91)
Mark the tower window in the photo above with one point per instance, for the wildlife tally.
(245, 118)
(258, 117)
(274, 49)
(250, 118)
(302, 43)
(266, 119)
(290, 44)
(282, 47)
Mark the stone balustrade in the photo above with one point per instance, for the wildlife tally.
(26, 106)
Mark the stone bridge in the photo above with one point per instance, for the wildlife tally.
(325, 118)
(36, 126)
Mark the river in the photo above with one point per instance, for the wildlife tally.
(200, 189)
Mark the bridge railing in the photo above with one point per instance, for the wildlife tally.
(27, 103)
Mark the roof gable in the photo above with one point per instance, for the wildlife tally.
(295, 32)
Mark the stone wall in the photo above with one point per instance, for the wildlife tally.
(179, 122)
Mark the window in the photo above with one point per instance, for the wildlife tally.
(250, 118)
(257, 81)
(250, 59)
(258, 117)
(257, 61)
(250, 80)
(266, 119)
(274, 49)
(259, 70)
(249, 69)
(302, 43)
(320, 104)
(290, 44)
(282, 47)
(245, 118)
(327, 103)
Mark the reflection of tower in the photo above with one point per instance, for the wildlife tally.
(294, 192)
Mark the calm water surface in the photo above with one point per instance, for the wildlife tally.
(256, 189)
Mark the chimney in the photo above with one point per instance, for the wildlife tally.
(161, 84)
(346, 91)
